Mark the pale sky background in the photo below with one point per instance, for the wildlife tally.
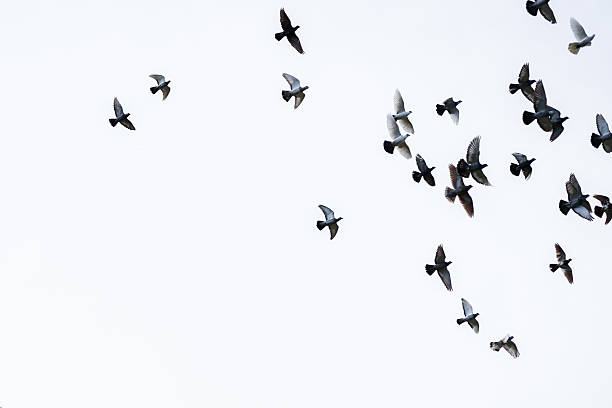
(179, 265)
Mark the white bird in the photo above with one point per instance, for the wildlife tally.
(507, 344)
(398, 140)
(296, 90)
(400, 112)
(582, 39)
(470, 316)
(162, 85)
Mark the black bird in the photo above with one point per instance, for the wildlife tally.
(557, 124)
(543, 7)
(440, 266)
(605, 208)
(524, 84)
(472, 165)
(563, 263)
(450, 106)
(330, 221)
(507, 345)
(577, 201)
(424, 172)
(523, 165)
(289, 32)
(549, 119)
(459, 190)
(120, 116)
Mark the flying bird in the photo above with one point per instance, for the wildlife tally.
(524, 84)
(507, 345)
(441, 266)
(472, 165)
(330, 221)
(523, 165)
(289, 32)
(549, 119)
(162, 85)
(577, 201)
(296, 91)
(604, 137)
(606, 207)
(400, 112)
(563, 263)
(557, 124)
(449, 106)
(582, 39)
(120, 116)
(459, 190)
(424, 172)
(543, 7)
(398, 140)
(470, 316)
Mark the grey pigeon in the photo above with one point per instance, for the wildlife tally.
(449, 106)
(424, 172)
(289, 32)
(120, 116)
(563, 263)
(472, 165)
(459, 190)
(582, 39)
(576, 200)
(397, 139)
(524, 84)
(400, 112)
(162, 85)
(330, 221)
(557, 124)
(541, 5)
(296, 91)
(606, 207)
(523, 165)
(470, 316)
(440, 266)
(549, 118)
(604, 137)
(507, 344)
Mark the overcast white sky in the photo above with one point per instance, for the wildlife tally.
(179, 265)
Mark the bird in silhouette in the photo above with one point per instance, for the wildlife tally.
(563, 263)
(120, 116)
(297, 91)
(441, 266)
(582, 39)
(470, 316)
(543, 7)
(397, 139)
(459, 190)
(424, 172)
(576, 200)
(401, 115)
(472, 165)
(606, 207)
(449, 106)
(162, 85)
(524, 84)
(289, 32)
(330, 221)
(523, 165)
(507, 344)
(604, 137)
(549, 119)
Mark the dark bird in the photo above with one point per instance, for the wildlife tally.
(162, 85)
(582, 39)
(577, 201)
(507, 345)
(120, 116)
(459, 190)
(472, 165)
(397, 139)
(424, 172)
(289, 32)
(470, 316)
(604, 137)
(549, 119)
(557, 124)
(543, 7)
(562, 263)
(524, 84)
(296, 91)
(449, 106)
(605, 208)
(400, 112)
(330, 221)
(523, 165)
(441, 266)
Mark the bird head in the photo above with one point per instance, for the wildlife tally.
(467, 188)
(476, 314)
(305, 88)
(569, 260)
(338, 219)
(531, 160)
(296, 27)
(167, 82)
(484, 165)
(127, 114)
(458, 102)
(449, 262)
(563, 119)
(531, 81)
(431, 168)
(584, 196)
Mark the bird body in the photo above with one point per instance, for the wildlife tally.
(470, 316)
(289, 32)
(296, 91)
(563, 263)
(523, 165)
(441, 266)
(424, 172)
(582, 39)
(330, 221)
(120, 116)
(449, 106)
(162, 85)
(507, 344)
(577, 201)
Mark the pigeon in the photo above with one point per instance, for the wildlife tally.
(330, 221)
(577, 201)
(604, 137)
(544, 113)
(524, 84)
(121, 117)
(582, 39)
(543, 7)
(296, 91)
(557, 124)
(605, 208)
(459, 189)
(289, 32)
(507, 344)
(162, 85)
(472, 165)
(424, 172)
(398, 140)
(523, 165)
(441, 266)
(451, 106)
(470, 316)
(400, 113)
(563, 263)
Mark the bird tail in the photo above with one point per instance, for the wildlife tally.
(450, 194)
(461, 320)
(531, 9)
(595, 140)
(388, 146)
(440, 109)
(320, 225)
(279, 36)
(573, 48)
(553, 267)
(416, 176)
(513, 88)
(463, 169)
(599, 211)
(153, 89)
(286, 96)
(528, 117)
(430, 269)
(514, 169)
(113, 122)
(564, 206)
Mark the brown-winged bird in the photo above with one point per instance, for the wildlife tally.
(507, 344)
(606, 207)
(563, 263)
(459, 190)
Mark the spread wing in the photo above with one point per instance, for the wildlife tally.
(474, 325)
(560, 253)
(468, 204)
(446, 279)
(524, 74)
(440, 255)
(404, 150)
(602, 199)
(392, 127)
(406, 124)
(333, 230)
(298, 99)
(159, 78)
(602, 125)
(295, 42)
(480, 177)
(284, 20)
(473, 151)
(329, 214)
(454, 114)
(126, 122)
(540, 96)
(165, 92)
(421, 165)
(510, 347)
(467, 308)
(456, 179)
(521, 158)
(547, 13)
(118, 108)
(577, 29)
(398, 102)
(584, 210)
(567, 271)
(574, 182)
(294, 83)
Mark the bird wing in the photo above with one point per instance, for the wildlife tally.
(295, 42)
(284, 20)
(529, 93)
(398, 102)
(126, 122)
(429, 178)
(602, 125)
(557, 130)
(404, 150)
(540, 96)
(329, 214)
(574, 182)
(547, 13)
(454, 114)
(577, 29)
(521, 158)
(560, 253)
(524, 74)
(602, 199)
(473, 151)
(118, 108)
(510, 347)
(446, 279)
(480, 177)
(294, 83)
(584, 211)
(394, 131)
(567, 271)
(159, 78)
(333, 230)
(456, 180)
(474, 325)
(440, 255)
(421, 165)
(406, 124)
(467, 308)
(299, 97)
(468, 204)
(165, 92)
